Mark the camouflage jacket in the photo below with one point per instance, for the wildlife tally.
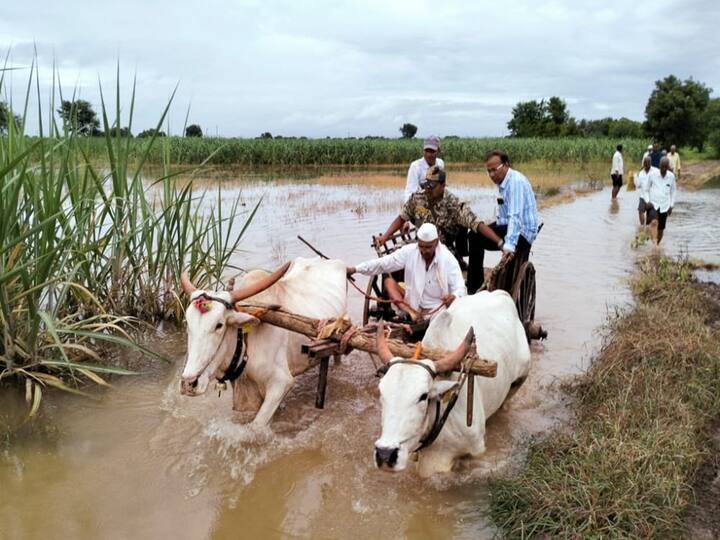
(448, 214)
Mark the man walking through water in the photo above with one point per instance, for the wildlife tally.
(660, 197)
(517, 217)
(642, 181)
(616, 171)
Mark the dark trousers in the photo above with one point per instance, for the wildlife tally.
(478, 244)
(458, 245)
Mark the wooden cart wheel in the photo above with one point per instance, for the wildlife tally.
(373, 289)
(523, 293)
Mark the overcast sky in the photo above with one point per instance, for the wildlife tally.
(355, 68)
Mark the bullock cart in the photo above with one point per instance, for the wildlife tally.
(333, 338)
(517, 277)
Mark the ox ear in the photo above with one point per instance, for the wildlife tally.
(440, 388)
(238, 318)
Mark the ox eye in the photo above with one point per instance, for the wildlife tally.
(423, 397)
(218, 326)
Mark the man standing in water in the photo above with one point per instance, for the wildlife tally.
(418, 168)
(674, 158)
(517, 217)
(432, 274)
(616, 171)
(642, 181)
(660, 197)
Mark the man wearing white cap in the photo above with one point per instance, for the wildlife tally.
(647, 153)
(432, 274)
(418, 168)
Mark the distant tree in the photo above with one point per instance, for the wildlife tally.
(675, 112)
(624, 128)
(6, 116)
(712, 121)
(528, 119)
(149, 133)
(122, 132)
(556, 117)
(193, 130)
(266, 135)
(79, 116)
(408, 131)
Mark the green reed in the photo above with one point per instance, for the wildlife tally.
(88, 252)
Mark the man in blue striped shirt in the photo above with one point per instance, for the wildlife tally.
(517, 217)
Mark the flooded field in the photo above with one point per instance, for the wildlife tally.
(145, 462)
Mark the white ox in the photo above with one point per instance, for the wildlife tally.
(408, 392)
(311, 287)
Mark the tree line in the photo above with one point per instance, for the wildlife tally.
(677, 112)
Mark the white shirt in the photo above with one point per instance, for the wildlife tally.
(424, 287)
(661, 191)
(642, 180)
(416, 174)
(617, 163)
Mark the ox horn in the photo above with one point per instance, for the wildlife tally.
(187, 285)
(382, 346)
(259, 286)
(451, 360)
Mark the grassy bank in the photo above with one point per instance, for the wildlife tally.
(643, 425)
(289, 153)
(88, 253)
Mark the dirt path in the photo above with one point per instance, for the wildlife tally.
(697, 173)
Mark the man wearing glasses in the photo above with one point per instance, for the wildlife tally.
(418, 168)
(517, 217)
(434, 204)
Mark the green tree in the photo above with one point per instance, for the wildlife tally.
(149, 133)
(624, 128)
(266, 135)
(6, 116)
(712, 121)
(556, 117)
(675, 112)
(528, 119)
(79, 116)
(408, 131)
(193, 130)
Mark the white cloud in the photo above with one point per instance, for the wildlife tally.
(363, 67)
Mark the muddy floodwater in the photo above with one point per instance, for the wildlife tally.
(145, 462)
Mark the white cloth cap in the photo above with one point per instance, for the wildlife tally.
(427, 232)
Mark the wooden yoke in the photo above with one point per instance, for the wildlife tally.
(309, 327)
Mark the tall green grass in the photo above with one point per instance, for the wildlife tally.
(89, 251)
(320, 152)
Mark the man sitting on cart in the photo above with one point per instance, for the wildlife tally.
(517, 217)
(449, 214)
(432, 275)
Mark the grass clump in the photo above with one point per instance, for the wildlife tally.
(89, 252)
(643, 422)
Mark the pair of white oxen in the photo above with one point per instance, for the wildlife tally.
(409, 391)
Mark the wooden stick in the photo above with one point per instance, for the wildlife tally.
(363, 342)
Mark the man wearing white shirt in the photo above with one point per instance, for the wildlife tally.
(642, 180)
(418, 168)
(660, 197)
(616, 171)
(432, 274)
